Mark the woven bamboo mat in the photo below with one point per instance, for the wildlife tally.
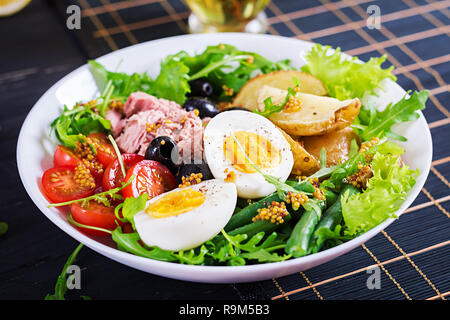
(412, 254)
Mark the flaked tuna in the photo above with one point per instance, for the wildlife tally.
(147, 117)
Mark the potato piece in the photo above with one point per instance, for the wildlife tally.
(304, 163)
(248, 95)
(318, 115)
(336, 143)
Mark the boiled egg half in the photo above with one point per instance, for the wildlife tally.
(229, 135)
(184, 218)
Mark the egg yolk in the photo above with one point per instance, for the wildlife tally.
(175, 203)
(257, 148)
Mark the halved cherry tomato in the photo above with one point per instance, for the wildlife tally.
(113, 177)
(95, 215)
(150, 177)
(60, 186)
(63, 156)
(105, 151)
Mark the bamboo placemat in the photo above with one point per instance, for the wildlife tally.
(412, 254)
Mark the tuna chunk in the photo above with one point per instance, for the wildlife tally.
(141, 101)
(148, 117)
(117, 123)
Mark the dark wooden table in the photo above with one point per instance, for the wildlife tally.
(37, 50)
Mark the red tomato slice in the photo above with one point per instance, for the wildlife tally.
(63, 156)
(105, 150)
(150, 177)
(113, 177)
(95, 215)
(60, 186)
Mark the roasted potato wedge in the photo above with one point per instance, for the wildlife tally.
(248, 95)
(304, 162)
(317, 115)
(336, 143)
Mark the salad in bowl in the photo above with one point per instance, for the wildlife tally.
(228, 158)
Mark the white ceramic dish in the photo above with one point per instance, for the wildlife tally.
(35, 148)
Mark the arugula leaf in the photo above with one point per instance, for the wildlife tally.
(235, 250)
(374, 123)
(124, 84)
(345, 78)
(225, 65)
(324, 234)
(129, 242)
(79, 120)
(216, 63)
(103, 197)
(61, 282)
(385, 193)
(3, 228)
(131, 206)
(172, 81)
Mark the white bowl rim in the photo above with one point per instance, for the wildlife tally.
(203, 273)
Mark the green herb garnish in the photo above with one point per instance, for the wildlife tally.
(102, 197)
(61, 282)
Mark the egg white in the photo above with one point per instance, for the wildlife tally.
(190, 229)
(249, 185)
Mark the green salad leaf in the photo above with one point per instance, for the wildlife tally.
(374, 123)
(61, 282)
(345, 78)
(81, 120)
(172, 81)
(124, 84)
(235, 250)
(385, 193)
(3, 228)
(222, 65)
(130, 207)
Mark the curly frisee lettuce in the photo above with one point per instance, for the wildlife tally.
(385, 193)
(344, 77)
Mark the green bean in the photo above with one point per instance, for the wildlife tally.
(331, 197)
(332, 216)
(298, 243)
(257, 226)
(245, 215)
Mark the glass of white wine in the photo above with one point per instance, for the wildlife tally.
(227, 16)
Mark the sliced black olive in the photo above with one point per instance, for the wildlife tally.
(164, 150)
(201, 87)
(186, 169)
(205, 107)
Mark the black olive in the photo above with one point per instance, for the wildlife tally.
(201, 87)
(236, 108)
(186, 169)
(205, 107)
(164, 150)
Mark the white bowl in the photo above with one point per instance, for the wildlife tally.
(35, 148)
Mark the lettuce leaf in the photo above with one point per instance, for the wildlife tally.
(345, 78)
(374, 123)
(124, 84)
(385, 193)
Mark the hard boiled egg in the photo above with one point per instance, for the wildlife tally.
(231, 132)
(184, 218)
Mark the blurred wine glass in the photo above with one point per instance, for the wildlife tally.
(227, 16)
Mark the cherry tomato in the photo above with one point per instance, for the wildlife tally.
(105, 150)
(150, 177)
(63, 156)
(95, 215)
(113, 177)
(60, 186)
